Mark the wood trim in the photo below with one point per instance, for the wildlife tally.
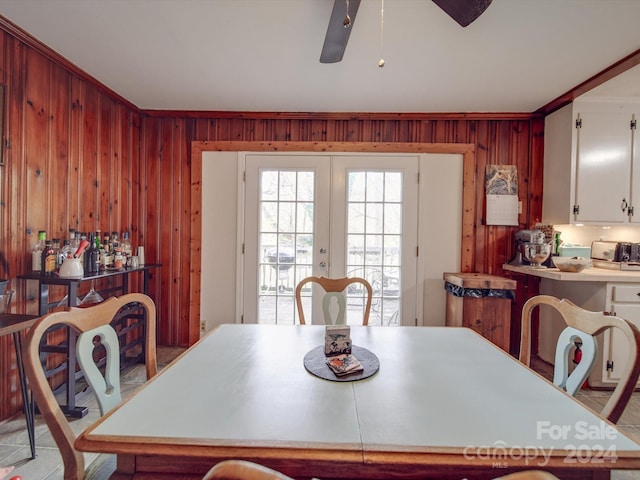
(195, 243)
(467, 256)
(378, 147)
(467, 150)
(342, 115)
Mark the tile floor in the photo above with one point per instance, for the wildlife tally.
(14, 442)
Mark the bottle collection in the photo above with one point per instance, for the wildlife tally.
(96, 252)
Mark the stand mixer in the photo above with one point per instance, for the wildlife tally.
(531, 248)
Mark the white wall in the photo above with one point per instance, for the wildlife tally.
(441, 229)
(219, 238)
(586, 234)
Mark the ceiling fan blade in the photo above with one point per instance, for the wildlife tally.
(463, 11)
(335, 41)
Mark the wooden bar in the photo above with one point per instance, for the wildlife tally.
(131, 327)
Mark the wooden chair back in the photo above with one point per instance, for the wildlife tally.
(243, 470)
(585, 325)
(334, 289)
(529, 475)
(91, 324)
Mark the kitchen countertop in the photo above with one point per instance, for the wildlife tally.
(592, 274)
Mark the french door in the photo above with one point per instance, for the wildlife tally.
(332, 216)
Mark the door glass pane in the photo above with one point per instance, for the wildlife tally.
(285, 241)
(374, 224)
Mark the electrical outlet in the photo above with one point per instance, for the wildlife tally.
(203, 326)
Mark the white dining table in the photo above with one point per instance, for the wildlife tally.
(445, 403)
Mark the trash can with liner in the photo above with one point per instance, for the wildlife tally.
(481, 302)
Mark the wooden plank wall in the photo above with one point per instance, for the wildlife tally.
(79, 156)
(498, 139)
(71, 157)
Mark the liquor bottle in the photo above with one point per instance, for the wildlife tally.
(117, 258)
(104, 251)
(82, 236)
(56, 249)
(48, 259)
(95, 256)
(66, 251)
(36, 254)
(109, 252)
(92, 256)
(126, 245)
(72, 238)
(98, 247)
(114, 243)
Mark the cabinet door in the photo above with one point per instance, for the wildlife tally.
(603, 167)
(616, 346)
(635, 175)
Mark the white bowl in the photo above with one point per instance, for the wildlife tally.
(571, 264)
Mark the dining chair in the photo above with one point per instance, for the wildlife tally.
(243, 470)
(334, 288)
(529, 475)
(583, 325)
(92, 327)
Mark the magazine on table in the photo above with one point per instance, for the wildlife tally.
(344, 364)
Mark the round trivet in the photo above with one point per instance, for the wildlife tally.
(315, 363)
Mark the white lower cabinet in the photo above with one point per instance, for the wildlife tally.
(621, 299)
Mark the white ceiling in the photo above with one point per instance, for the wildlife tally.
(263, 55)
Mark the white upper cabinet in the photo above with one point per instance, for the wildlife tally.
(634, 197)
(590, 173)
